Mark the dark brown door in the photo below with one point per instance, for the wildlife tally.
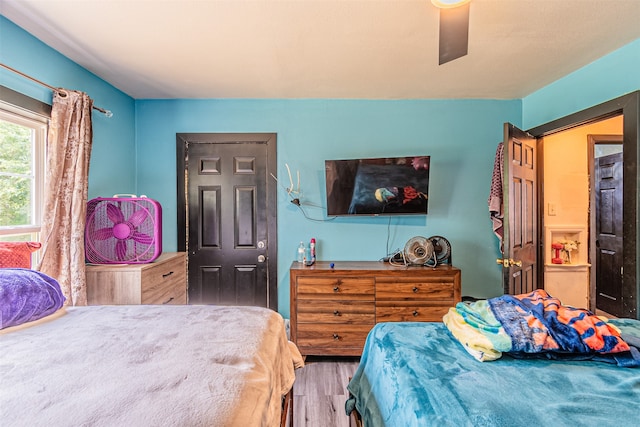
(520, 216)
(230, 218)
(608, 183)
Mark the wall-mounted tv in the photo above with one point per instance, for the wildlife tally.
(380, 186)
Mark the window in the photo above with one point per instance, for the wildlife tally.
(22, 166)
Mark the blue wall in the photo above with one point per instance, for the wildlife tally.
(112, 168)
(607, 78)
(134, 151)
(460, 136)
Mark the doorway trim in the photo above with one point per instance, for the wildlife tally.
(629, 107)
(270, 139)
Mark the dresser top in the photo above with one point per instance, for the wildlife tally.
(356, 266)
(164, 257)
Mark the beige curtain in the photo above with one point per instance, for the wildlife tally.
(65, 201)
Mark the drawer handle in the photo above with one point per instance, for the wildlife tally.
(336, 313)
(415, 313)
(336, 289)
(164, 276)
(415, 290)
(336, 337)
(168, 301)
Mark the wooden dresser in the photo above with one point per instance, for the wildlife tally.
(163, 281)
(333, 309)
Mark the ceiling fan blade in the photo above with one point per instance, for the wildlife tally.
(454, 33)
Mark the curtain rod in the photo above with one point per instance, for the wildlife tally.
(107, 113)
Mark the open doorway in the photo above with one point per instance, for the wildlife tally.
(626, 109)
(570, 218)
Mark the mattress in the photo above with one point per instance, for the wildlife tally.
(147, 366)
(417, 374)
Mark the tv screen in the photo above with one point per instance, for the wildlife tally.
(381, 186)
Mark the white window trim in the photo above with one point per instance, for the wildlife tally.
(14, 114)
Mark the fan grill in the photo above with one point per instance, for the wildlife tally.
(442, 249)
(418, 250)
(123, 230)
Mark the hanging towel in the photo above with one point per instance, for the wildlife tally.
(496, 211)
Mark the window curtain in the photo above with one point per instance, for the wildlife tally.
(66, 186)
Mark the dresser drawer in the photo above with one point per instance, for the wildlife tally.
(403, 311)
(165, 283)
(414, 290)
(323, 311)
(310, 287)
(165, 292)
(332, 338)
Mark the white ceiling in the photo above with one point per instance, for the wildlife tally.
(361, 49)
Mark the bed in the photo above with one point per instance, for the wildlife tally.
(419, 374)
(146, 365)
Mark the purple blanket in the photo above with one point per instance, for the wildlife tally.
(27, 295)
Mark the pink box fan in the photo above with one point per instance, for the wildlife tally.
(123, 229)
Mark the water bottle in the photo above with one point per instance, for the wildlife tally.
(301, 252)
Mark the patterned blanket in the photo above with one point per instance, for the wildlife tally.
(537, 325)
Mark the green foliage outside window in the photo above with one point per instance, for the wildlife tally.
(16, 174)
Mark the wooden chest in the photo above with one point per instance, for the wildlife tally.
(333, 309)
(163, 281)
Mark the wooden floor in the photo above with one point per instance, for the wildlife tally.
(320, 392)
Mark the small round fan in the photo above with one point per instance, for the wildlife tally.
(442, 249)
(123, 230)
(418, 250)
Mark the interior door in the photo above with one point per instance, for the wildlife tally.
(519, 263)
(230, 218)
(608, 183)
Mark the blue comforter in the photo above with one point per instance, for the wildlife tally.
(418, 374)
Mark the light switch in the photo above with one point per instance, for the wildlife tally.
(551, 209)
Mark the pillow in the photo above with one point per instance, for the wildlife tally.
(27, 295)
(17, 254)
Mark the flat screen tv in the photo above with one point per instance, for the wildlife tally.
(380, 186)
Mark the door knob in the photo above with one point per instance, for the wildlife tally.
(506, 263)
(261, 258)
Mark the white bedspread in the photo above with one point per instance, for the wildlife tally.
(147, 366)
